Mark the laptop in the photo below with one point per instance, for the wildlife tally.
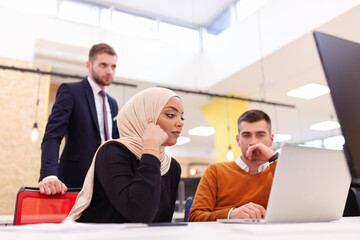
(309, 185)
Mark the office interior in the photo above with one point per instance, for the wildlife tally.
(259, 58)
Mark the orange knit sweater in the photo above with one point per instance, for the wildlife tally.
(224, 186)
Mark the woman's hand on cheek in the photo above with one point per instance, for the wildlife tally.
(154, 136)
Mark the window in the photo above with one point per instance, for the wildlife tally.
(43, 7)
(314, 143)
(105, 17)
(335, 142)
(209, 40)
(99, 15)
(79, 12)
(181, 36)
(134, 25)
(222, 22)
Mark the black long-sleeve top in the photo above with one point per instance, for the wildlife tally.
(128, 190)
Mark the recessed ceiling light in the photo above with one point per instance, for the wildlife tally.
(325, 126)
(182, 140)
(281, 137)
(202, 131)
(309, 91)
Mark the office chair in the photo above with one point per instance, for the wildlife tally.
(356, 192)
(32, 207)
(188, 204)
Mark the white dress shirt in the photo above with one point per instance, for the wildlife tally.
(99, 109)
(245, 167)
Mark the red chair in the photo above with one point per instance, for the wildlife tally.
(33, 207)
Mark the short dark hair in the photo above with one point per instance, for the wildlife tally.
(100, 48)
(254, 115)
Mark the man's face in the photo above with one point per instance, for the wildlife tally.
(102, 69)
(253, 133)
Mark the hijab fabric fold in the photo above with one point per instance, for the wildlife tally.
(131, 122)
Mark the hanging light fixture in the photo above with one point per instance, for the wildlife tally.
(229, 154)
(35, 130)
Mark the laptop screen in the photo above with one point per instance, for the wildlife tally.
(341, 62)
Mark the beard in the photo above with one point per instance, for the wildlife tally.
(98, 80)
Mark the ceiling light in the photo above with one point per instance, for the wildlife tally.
(182, 140)
(325, 126)
(309, 91)
(202, 131)
(193, 171)
(281, 137)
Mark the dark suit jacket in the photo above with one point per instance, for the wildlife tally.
(73, 116)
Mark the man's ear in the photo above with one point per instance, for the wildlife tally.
(88, 65)
(272, 139)
(237, 139)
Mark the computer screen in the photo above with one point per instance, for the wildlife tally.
(340, 59)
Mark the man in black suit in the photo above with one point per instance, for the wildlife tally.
(78, 114)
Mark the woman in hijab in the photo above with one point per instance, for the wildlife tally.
(132, 179)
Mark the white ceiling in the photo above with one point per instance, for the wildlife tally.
(292, 65)
(186, 12)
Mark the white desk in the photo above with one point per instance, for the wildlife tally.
(9, 219)
(346, 229)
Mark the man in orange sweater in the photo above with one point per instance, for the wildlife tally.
(239, 189)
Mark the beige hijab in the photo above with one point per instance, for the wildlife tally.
(131, 122)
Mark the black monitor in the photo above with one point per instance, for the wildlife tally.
(190, 185)
(340, 59)
(187, 188)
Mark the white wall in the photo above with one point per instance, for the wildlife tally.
(281, 22)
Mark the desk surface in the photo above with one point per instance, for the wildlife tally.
(9, 219)
(346, 228)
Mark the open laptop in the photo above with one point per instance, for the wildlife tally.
(309, 185)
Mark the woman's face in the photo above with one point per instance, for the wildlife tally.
(171, 120)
